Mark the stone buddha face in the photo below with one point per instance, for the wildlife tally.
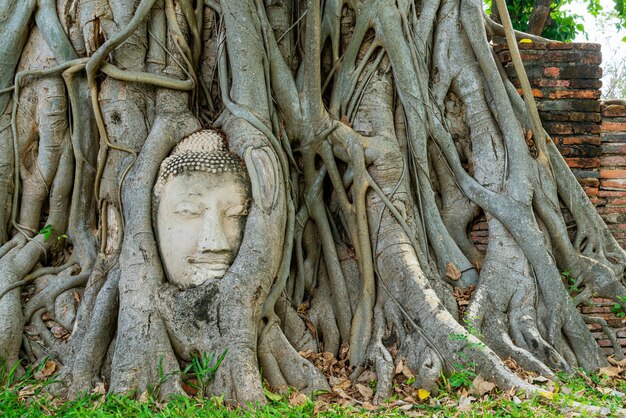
(201, 202)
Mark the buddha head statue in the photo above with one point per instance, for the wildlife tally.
(200, 203)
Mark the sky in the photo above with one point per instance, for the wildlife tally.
(601, 31)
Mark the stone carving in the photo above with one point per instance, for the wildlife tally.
(201, 200)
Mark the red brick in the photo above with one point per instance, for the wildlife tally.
(611, 193)
(592, 59)
(591, 191)
(574, 94)
(591, 46)
(547, 82)
(613, 161)
(531, 55)
(583, 162)
(613, 184)
(605, 301)
(597, 201)
(613, 110)
(551, 71)
(608, 126)
(560, 45)
(595, 309)
(561, 56)
(578, 140)
(612, 174)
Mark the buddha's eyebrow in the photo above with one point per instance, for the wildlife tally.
(184, 193)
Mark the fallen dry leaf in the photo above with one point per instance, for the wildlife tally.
(365, 391)
(618, 363)
(144, 397)
(453, 272)
(297, 398)
(47, 370)
(465, 403)
(480, 386)
(369, 406)
(611, 371)
(399, 366)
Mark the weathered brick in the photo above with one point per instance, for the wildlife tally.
(608, 126)
(612, 173)
(531, 55)
(588, 174)
(549, 82)
(571, 104)
(551, 71)
(613, 161)
(585, 117)
(613, 137)
(585, 83)
(614, 184)
(613, 110)
(613, 148)
(583, 162)
(555, 116)
(589, 182)
(572, 140)
(612, 193)
(586, 128)
(559, 45)
(595, 58)
(594, 309)
(574, 94)
(558, 128)
(597, 200)
(581, 71)
(591, 191)
(592, 46)
(561, 56)
(583, 150)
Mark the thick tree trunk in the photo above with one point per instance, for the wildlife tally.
(373, 133)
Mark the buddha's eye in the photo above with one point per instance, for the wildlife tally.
(237, 211)
(187, 210)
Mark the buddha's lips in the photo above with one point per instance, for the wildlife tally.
(212, 263)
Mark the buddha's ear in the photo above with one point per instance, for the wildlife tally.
(262, 167)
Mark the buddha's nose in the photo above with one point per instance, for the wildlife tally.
(212, 236)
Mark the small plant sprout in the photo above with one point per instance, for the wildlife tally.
(619, 307)
(47, 232)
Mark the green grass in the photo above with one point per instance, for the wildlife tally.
(26, 397)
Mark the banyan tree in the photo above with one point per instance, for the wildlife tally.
(263, 178)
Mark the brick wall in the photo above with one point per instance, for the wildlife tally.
(565, 78)
(612, 190)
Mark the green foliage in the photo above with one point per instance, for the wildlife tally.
(561, 25)
(461, 377)
(570, 283)
(590, 389)
(198, 374)
(204, 370)
(47, 232)
(619, 308)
